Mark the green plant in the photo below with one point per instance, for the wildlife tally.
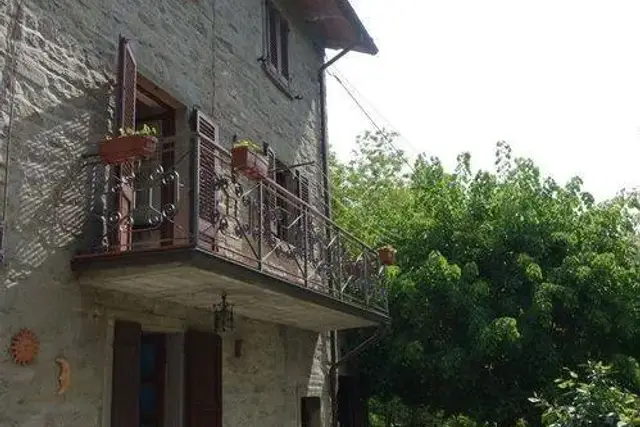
(249, 144)
(146, 130)
(507, 276)
(594, 400)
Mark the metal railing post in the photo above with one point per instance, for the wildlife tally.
(340, 266)
(365, 273)
(305, 237)
(194, 215)
(260, 222)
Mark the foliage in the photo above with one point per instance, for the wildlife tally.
(252, 146)
(593, 401)
(146, 130)
(393, 412)
(502, 278)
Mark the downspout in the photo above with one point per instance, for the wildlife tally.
(14, 49)
(324, 144)
(334, 367)
(324, 150)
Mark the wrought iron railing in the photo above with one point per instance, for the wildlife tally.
(188, 195)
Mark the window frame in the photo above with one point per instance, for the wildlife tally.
(278, 69)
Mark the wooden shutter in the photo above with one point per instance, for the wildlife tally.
(302, 191)
(271, 155)
(125, 389)
(272, 37)
(270, 194)
(208, 199)
(284, 47)
(304, 188)
(203, 357)
(125, 119)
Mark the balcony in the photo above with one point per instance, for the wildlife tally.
(198, 229)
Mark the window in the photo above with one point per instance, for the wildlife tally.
(276, 62)
(290, 225)
(142, 195)
(278, 41)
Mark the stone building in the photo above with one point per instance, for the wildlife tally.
(174, 288)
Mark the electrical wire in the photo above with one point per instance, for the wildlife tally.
(370, 118)
(372, 107)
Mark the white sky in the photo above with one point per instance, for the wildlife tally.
(557, 79)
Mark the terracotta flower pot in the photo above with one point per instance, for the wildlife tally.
(387, 255)
(250, 163)
(126, 148)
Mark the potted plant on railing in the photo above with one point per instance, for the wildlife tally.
(246, 158)
(387, 255)
(130, 145)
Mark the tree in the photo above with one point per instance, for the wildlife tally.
(503, 278)
(596, 400)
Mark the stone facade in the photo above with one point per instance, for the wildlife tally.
(57, 68)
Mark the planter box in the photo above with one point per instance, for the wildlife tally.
(127, 148)
(387, 256)
(250, 163)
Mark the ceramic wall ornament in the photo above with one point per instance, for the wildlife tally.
(64, 376)
(24, 347)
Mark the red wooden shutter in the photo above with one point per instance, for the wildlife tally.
(208, 199)
(203, 354)
(125, 389)
(126, 119)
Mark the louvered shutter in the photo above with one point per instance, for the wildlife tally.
(289, 206)
(125, 388)
(203, 394)
(303, 194)
(270, 193)
(272, 38)
(271, 155)
(125, 119)
(304, 188)
(284, 48)
(208, 198)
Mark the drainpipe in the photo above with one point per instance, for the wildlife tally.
(324, 149)
(324, 144)
(334, 367)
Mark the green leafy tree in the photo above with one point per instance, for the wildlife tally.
(503, 278)
(596, 400)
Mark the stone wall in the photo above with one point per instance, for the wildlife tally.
(56, 102)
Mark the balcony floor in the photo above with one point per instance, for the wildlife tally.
(195, 278)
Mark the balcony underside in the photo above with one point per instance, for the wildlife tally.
(196, 278)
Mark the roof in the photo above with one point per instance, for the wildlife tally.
(339, 25)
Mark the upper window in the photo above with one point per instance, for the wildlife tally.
(277, 41)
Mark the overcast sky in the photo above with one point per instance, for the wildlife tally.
(557, 79)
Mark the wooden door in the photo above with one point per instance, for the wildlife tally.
(125, 386)
(203, 394)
